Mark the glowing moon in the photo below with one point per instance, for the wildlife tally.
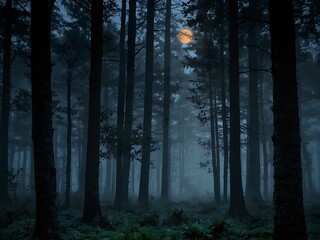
(185, 36)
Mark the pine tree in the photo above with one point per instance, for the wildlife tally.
(46, 225)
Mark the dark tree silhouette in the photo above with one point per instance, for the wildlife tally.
(237, 204)
(289, 221)
(166, 106)
(129, 99)
(69, 50)
(46, 224)
(5, 103)
(92, 208)
(221, 22)
(146, 141)
(253, 194)
(121, 98)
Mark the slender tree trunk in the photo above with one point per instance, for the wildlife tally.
(12, 153)
(80, 142)
(24, 169)
(32, 176)
(146, 141)
(217, 140)
(223, 101)
(264, 145)
(5, 103)
(82, 164)
(113, 178)
(129, 99)
(46, 225)
(166, 106)
(237, 204)
(289, 221)
(121, 99)
(181, 144)
(308, 169)
(92, 208)
(69, 128)
(253, 194)
(318, 157)
(108, 178)
(133, 179)
(216, 186)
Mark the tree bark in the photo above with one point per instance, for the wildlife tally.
(216, 184)
(82, 163)
(223, 100)
(237, 205)
(289, 221)
(120, 106)
(5, 103)
(46, 225)
(166, 106)
(217, 141)
(129, 99)
(92, 208)
(146, 141)
(253, 194)
(69, 129)
(264, 145)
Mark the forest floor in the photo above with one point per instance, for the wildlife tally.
(176, 221)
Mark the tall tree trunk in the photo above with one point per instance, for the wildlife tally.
(166, 106)
(308, 169)
(289, 221)
(181, 147)
(318, 157)
(237, 204)
(121, 99)
(146, 141)
(46, 225)
(108, 178)
(69, 128)
(223, 100)
(217, 140)
(216, 186)
(79, 157)
(253, 194)
(129, 99)
(5, 103)
(264, 145)
(82, 174)
(92, 208)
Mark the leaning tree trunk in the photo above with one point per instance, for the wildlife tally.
(289, 221)
(166, 106)
(146, 141)
(46, 225)
(5, 103)
(237, 204)
(92, 208)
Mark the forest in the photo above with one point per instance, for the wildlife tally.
(160, 119)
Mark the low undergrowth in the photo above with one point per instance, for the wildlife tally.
(181, 222)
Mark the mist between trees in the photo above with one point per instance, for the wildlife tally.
(102, 105)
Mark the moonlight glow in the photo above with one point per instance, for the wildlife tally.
(185, 36)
